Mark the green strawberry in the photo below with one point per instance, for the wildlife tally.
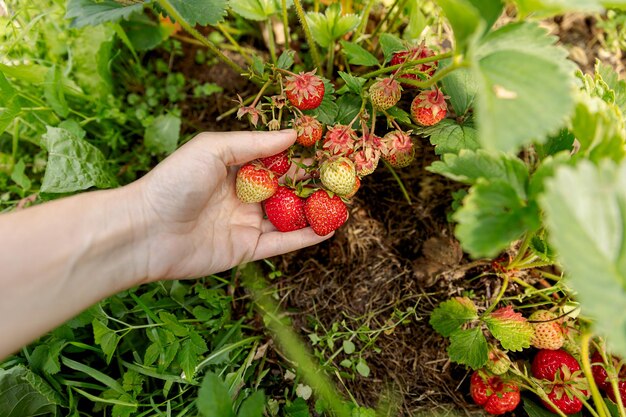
(338, 175)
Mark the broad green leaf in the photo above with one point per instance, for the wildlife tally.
(612, 80)
(73, 163)
(252, 406)
(469, 347)
(328, 109)
(525, 85)
(163, 134)
(492, 217)
(132, 381)
(545, 8)
(172, 324)
(353, 83)
(298, 408)
(213, 398)
(19, 177)
(562, 141)
(469, 167)
(30, 73)
(106, 338)
(328, 27)
(390, 44)
(465, 20)
(450, 137)
(546, 170)
(490, 10)
(7, 91)
(599, 128)
(93, 70)
(93, 12)
(285, 60)
(143, 33)
(23, 393)
(461, 87)
(53, 92)
(201, 12)
(348, 347)
(362, 368)
(450, 315)
(400, 115)
(255, 9)
(585, 211)
(45, 357)
(510, 328)
(417, 21)
(349, 106)
(357, 55)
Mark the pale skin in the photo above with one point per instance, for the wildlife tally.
(182, 220)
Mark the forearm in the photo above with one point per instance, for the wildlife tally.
(59, 258)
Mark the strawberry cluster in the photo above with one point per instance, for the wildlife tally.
(331, 158)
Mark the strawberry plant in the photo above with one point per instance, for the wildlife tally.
(538, 145)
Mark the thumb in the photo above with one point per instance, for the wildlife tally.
(236, 148)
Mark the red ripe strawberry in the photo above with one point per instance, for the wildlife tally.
(338, 175)
(563, 399)
(398, 149)
(325, 213)
(548, 364)
(548, 330)
(599, 372)
(621, 387)
(279, 164)
(308, 130)
(420, 52)
(340, 140)
(286, 210)
(429, 107)
(494, 394)
(255, 183)
(305, 90)
(385, 93)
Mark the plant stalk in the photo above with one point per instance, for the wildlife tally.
(307, 34)
(505, 284)
(409, 64)
(271, 40)
(286, 23)
(601, 407)
(171, 10)
(364, 19)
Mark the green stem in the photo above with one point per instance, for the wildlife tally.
(234, 43)
(16, 139)
(402, 188)
(408, 64)
(521, 251)
(530, 287)
(331, 60)
(171, 10)
(364, 19)
(505, 284)
(551, 276)
(286, 23)
(439, 75)
(317, 59)
(531, 263)
(272, 41)
(585, 338)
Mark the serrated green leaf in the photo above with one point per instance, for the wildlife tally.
(390, 44)
(542, 249)
(328, 27)
(201, 12)
(399, 114)
(492, 217)
(19, 177)
(465, 20)
(546, 8)
(298, 408)
(349, 106)
(132, 381)
(73, 163)
(353, 83)
(106, 338)
(172, 324)
(45, 357)
(163, 134)
(53, 92)
(252, 406)
(285, 60)
(92, 12)
(469, 167)
(525, 85)
(417, 21)
(213, 397)
(612, 80)
(562, 141)
(510, 328)
(357, 55)
(450, 315)
(22, 393)
(461, 87)
(450, 137)
(586, 218)
(599, 128)
(255, 9)
(469, 347)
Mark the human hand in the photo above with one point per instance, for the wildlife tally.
(193, 222)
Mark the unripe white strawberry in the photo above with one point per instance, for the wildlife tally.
(548, 330)
(338, 175)
(385, 93)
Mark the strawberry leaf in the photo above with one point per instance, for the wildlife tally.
(93, 12)
(450, 315)
(586, 218)
(545, 8)
(469, 347)
(525, 84)
(213, 397)
(465, 20)
(357, 55)
(450, 137)
(510, 328)
(333, 24)
(256, 9)
(349, 106)
(328, 109)
(353, 83)
(470, 166)
(493, 215)
(200, 12)
(390, 44)
(461, 87)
